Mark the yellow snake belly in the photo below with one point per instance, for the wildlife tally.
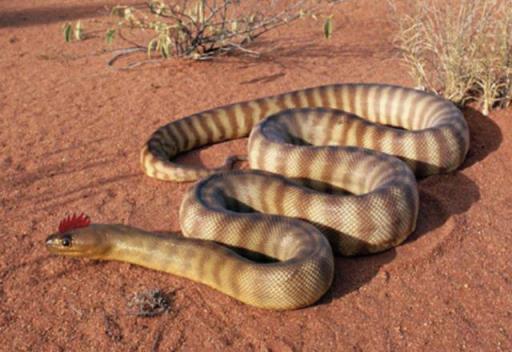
(332, 167)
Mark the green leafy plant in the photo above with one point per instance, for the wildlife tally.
(77, 32)
(110, 35)
(328, 27)
(68, 32)
(201, 29)
(461, 50)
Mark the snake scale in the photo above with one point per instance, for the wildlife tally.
(333, 169)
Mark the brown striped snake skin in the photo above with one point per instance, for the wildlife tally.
(322, 180)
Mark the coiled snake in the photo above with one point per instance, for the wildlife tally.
(322, 179)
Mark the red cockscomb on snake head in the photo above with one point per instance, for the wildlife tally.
(74, 221)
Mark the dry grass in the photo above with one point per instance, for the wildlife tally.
(150, 303)
(459, 49)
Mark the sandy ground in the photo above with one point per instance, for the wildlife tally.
(70, 134)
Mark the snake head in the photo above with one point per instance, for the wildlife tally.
(77, 237)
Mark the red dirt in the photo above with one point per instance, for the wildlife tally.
(70, 134)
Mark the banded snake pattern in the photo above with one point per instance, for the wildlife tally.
(332, 169)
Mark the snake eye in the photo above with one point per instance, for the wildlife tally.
(66, 240)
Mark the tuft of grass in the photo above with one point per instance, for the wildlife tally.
(461, 50)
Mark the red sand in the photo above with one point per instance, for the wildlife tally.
(70, 134)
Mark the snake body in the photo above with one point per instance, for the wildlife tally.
(324, 176)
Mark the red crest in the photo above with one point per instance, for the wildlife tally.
(74, 221)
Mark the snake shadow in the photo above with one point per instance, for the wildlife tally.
(485, 136)
(441, 197)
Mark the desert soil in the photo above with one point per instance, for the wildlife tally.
(70, 134)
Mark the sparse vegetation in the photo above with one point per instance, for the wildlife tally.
(201, 29)
(461, 50)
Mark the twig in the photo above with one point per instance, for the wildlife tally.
(128, 51)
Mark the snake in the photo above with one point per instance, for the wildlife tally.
(332, 171)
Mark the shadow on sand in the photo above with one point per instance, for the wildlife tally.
(51, 14)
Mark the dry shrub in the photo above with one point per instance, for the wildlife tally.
(201, 29)
(459, 49)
